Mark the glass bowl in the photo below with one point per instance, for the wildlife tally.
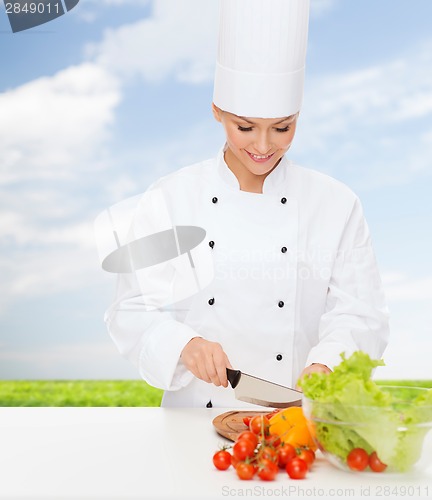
(399, 433)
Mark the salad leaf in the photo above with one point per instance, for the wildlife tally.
(351, 411)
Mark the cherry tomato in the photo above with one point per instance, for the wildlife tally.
(222, 459)
(296, 468)
(248, 435)
(285, 453)
(273, 440)
(357, 459)
(273, 413)
(259, 424)
(245, 471)
(261, 437)
(267, 469)
(269, 453)
(243, 449)
(234, 461)
(307, 455)
(246, 421)
(375, 463)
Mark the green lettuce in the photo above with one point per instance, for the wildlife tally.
(351, 411)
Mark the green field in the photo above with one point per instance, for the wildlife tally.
(100, 393)
(78, 393)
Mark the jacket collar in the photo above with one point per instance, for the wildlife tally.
(274, 183)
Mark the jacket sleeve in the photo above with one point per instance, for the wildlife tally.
(152, 340)
(141, 319)
(356, 315)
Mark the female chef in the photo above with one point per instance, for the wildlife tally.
(286, 272)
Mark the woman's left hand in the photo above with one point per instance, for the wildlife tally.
(313, 368)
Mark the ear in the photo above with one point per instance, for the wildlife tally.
(217, 112)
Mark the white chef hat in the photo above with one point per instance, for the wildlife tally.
(261, 58)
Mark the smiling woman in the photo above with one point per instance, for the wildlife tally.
(255, 146)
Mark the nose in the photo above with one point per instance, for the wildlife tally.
(262, 143)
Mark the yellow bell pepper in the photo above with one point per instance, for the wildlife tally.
(291, 426)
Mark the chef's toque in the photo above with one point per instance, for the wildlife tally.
(261, 58)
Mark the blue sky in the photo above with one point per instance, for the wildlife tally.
(105, 99)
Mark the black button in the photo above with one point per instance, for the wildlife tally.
(283, 200)
(281, 303)
(211, 301)
(209, 404)
(284, 249)
(279, 357)
(211, 243)
(214, 199)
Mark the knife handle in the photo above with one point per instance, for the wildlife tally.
(233, 377)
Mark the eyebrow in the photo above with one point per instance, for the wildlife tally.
(291, 117)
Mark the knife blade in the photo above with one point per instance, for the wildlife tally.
(262, 392)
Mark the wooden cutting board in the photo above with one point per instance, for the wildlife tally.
(230, 424)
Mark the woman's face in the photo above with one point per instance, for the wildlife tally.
(255, 145)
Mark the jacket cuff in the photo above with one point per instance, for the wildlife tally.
(159, 359)
(328, 354)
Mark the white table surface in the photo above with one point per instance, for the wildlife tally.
(131, 453)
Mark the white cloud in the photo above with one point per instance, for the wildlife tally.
(90, 10)
(395, 91)
(427, 137)
(369, 122)
(51, 127)
(165, 44)
(92, 360)
(403, 289)
(319, 7)
(393, 277)
(168, 43)
(47, 270)
(406, 357)
(52, 138)
(408, 353)
(121, 187)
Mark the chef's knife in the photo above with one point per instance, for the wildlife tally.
(262, 392)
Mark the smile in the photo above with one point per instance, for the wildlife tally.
(259, 158)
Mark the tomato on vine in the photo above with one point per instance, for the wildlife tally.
(286, 452)
(267, 469)
(268, 452)
(273, 440)
(307, 455)
(259, 424)
(242, 449)
(246, 421)
(245, 470)
(250, 436)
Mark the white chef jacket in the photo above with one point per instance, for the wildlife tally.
(295, 282)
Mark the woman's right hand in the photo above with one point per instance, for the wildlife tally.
(206, 360)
